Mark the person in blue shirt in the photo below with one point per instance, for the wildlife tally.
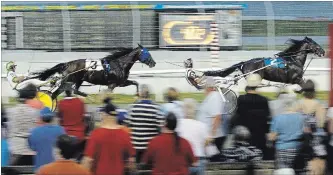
(43, 139)
(287, 129)
(5, 154)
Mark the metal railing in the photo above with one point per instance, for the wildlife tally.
(68, 27)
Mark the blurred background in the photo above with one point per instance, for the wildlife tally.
(38, 35)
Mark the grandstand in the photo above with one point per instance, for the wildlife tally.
(104, 25)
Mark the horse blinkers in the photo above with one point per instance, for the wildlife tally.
(146, 58)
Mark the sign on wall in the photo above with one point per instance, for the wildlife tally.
(185, 30)
(193, 30)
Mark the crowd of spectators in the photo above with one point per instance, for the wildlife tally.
(177, 137)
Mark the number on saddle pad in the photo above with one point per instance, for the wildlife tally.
(275, 62)
(93, 65)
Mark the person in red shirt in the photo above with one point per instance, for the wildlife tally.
(71, 113)
(109, 146)
(168, 153)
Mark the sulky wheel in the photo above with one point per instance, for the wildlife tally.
(231, 100)
(46, 98)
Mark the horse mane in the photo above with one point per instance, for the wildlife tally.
(292, 46)
(118, 53)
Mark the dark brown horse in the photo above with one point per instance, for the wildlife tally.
(289, 63)
(115, 73)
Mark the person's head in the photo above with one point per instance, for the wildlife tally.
(46, 115)
(171, 125)
(66, 145)
(308, 89)
(253, 81)
(68, 93)
(144, 92)
(11, 66)
(287, 101)
(171, 95)
(171, 121)
(190, 107)
(109, 111)
(28, 92)
(241, 133)
(209, 85)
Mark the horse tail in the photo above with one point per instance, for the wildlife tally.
(43, 75)
(225, 72)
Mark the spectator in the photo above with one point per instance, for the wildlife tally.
(241, 151)
(5, 154)
(286, 129)
(277, 106)
(253, 113)
(210, 112)
(43, 138)
(108, 146)
(144, 120)
(71, 113)
(174, 105)
(313, 152)
(330, 145)
(196, 133)
(122, 114)
(311, 106)
(64, 166)
(168, 153)
(21, 119)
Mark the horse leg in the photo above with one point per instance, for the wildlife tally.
(301, 83)
(76, 89)
(131, 82)
(112, 86)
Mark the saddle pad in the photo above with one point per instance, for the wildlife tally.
(93, 65)
(275, 62)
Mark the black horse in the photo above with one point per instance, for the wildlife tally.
(115, 72)
(289, 67)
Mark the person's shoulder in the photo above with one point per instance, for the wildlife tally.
(36, 129)
(184, 141)
(81, 169)
(59, 128)
(47, 169)
(261, 97)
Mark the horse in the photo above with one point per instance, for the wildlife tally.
(289, 68)
(115, 74)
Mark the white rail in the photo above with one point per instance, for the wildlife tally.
(171, 71)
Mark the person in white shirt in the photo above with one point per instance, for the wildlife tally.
(174, 105)
(196, 133)
(210, 112)
(19, 82)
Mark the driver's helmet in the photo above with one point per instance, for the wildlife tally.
(10, 65)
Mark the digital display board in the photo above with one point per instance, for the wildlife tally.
(185, 30)
(193, 30)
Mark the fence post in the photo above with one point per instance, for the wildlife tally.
(66, 28)
(136, 22)
(270, 25)
(215, 45)
(330, 34)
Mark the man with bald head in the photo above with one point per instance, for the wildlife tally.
(210, 112)
(144, 120)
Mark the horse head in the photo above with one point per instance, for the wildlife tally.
(145, 57)
(314, 47)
